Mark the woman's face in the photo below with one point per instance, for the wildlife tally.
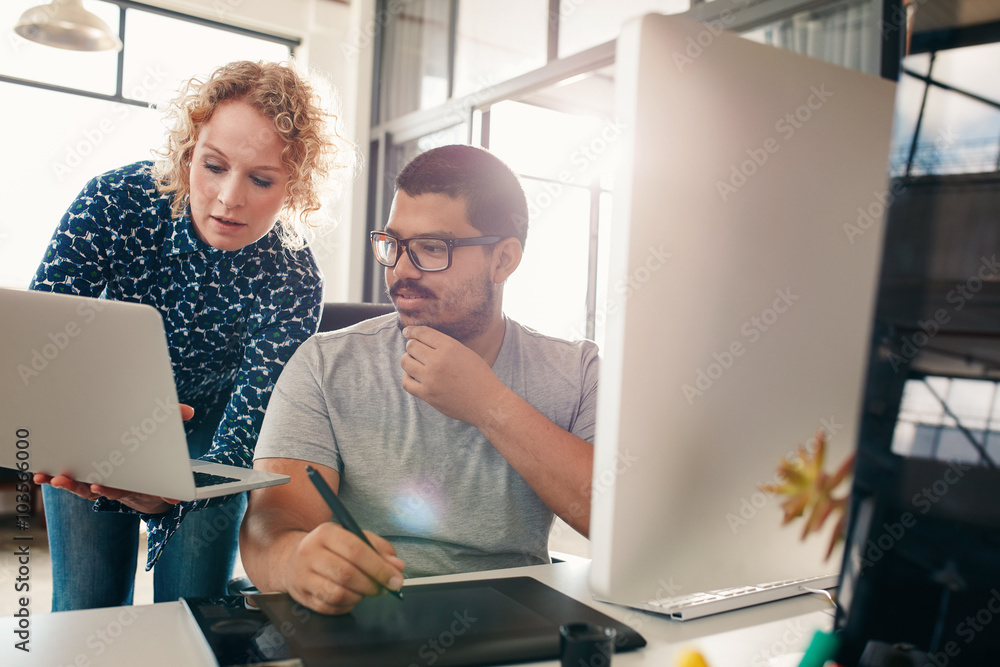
(238, 182)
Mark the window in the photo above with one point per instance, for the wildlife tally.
(584, 24)
(844, 33)
(70, 117)
(948, 112)
(496, 41)
(564, 185)
(949, 419)
(443, 68)
(415, 57)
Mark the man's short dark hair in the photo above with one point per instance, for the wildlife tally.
(494, 200)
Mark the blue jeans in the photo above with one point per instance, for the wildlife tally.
(94, 553)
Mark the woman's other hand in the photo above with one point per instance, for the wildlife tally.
(140, 502)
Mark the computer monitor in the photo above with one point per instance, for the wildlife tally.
(744, 255)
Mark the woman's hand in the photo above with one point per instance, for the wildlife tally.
(140, 502)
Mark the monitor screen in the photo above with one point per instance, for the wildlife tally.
(744, 257)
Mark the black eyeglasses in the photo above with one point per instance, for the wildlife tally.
(426, 252)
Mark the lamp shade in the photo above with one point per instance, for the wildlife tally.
(65, 24)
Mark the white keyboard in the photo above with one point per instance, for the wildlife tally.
(696, 605)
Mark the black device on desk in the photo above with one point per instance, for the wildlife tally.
(484, 622)
(237, 634)
(921, 570)
(922, 562)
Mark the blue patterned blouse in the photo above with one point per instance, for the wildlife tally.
(232, 318)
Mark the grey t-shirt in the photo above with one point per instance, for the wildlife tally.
(431, 485)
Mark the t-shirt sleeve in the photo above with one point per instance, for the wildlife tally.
(584, 424)
(297, 423)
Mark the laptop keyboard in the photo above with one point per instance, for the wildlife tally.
(202, 479)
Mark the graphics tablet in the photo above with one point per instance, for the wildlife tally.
(485, 622)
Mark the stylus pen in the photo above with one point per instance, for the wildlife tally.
(341, 514)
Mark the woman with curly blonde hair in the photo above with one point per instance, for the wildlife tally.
(214, 235)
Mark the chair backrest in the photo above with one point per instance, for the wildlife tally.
(340, 315)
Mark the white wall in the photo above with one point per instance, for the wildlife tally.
(337, 40)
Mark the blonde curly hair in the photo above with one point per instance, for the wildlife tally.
(314, 152)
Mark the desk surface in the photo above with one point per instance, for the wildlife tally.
(771, 635)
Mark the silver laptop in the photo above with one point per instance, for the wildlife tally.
(87, 390)
(742, 273)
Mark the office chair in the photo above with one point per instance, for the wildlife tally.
(340, 315)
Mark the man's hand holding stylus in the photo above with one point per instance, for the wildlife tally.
(288, 544)
(331, 570)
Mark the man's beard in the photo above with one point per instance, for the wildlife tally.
(470, 324)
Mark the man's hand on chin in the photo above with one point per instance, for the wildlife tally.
(449, 376)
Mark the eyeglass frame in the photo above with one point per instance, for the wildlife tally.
(450, 243)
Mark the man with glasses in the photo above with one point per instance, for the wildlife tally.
(448, 430)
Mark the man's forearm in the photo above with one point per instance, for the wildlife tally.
(266, 549)
(555, 463)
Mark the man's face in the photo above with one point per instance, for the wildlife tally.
(459, 301)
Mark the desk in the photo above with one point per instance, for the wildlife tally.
(764, 636)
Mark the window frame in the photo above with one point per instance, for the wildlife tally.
(386, 134)
(124, 5)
